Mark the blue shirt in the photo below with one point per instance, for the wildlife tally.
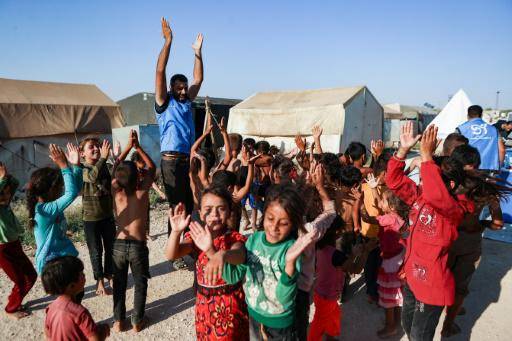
(50, 228)
(483, 137)
(177, 131)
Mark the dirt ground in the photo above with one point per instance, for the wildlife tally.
(170, 302)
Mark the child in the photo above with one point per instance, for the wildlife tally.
(329, 284)
(46, 204)
(235, 141)
(131, 200)
(270, 265)
(390, 225)
(221, 312)
(436, 211)
(356, 156)
(66, 318)
(13, 260)
(99, 226)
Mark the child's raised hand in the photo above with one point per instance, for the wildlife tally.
(105, 149)
(356, 192)
(166, 30)
(73, 154)
(407, 138)
(58, 156)
(134, 139)
(428, 143)
(300, 143)
(317, 131)
(318, 175)
(253, 159)
(222, 125)
(178, 218)
(300, 245)
(201, 236)
(372, 181)
(116, 151)
(377, 147)
(3, 170)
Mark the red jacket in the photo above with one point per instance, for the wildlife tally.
(433, 220)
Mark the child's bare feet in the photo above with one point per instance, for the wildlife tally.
(101, 290)
(119, 326)
(17, 315)
(387, 332)
(141, 325)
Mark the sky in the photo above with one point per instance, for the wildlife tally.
(410, 52)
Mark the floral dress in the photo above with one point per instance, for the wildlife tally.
(221, 311)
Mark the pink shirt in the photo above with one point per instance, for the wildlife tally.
(66, 320)
(389, 234)
(330, 278)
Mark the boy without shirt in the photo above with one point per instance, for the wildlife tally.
(131, 200)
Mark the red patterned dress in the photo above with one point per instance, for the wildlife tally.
(221, 311)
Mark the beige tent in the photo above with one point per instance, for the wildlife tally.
(345, 114)
(34, 114)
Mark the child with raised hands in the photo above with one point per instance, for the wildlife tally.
(214, 243)
(270, 264)
(390, 223)
(435, 212)
(13, 260)
(99, 224)
(50, 191)
(130, 191)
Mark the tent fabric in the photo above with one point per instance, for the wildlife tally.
(30, 108)
(290, 112)
(453, 114)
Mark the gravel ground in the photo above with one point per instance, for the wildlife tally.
(170, 301)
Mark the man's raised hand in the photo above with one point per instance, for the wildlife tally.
(166, 30)
(198, 44)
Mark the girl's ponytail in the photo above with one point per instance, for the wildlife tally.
(41, 181)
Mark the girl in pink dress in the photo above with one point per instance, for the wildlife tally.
(392, 252)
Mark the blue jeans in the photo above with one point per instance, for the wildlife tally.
(419, 320)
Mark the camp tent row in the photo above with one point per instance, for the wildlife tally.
(34, 114)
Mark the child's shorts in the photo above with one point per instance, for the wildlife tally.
(255, 204)
(327, 319)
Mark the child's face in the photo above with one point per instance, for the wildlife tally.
(78, 286)
(91, 152)
(214, 212)
(276, 223)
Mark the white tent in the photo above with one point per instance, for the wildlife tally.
(453, 114)
(345, 114)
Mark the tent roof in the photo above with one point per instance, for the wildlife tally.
(453, 114)
(33, 92)
(286, 100)
(48, 108)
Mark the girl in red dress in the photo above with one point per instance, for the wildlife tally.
(221, 311)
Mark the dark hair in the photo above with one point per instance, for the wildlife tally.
(40, 184)
(88, 139)
(178, 78)
(287, 196)
(249, 142)
(466, 155)
(283, 166)
(136, 158)
(381, 165)
(397, 204)
(262, 147)
(482, 188)
(475, 111)
(209, 155)
(330, 235)
(451, 170)
(60, 272)
(235, 140)
(220, 192)
(355, 150)
(223, 178)
(126, 176)
(453, 140)
(331, 164)
(273, 150)
(349, 176)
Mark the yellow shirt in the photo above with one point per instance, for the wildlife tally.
(370, 230)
